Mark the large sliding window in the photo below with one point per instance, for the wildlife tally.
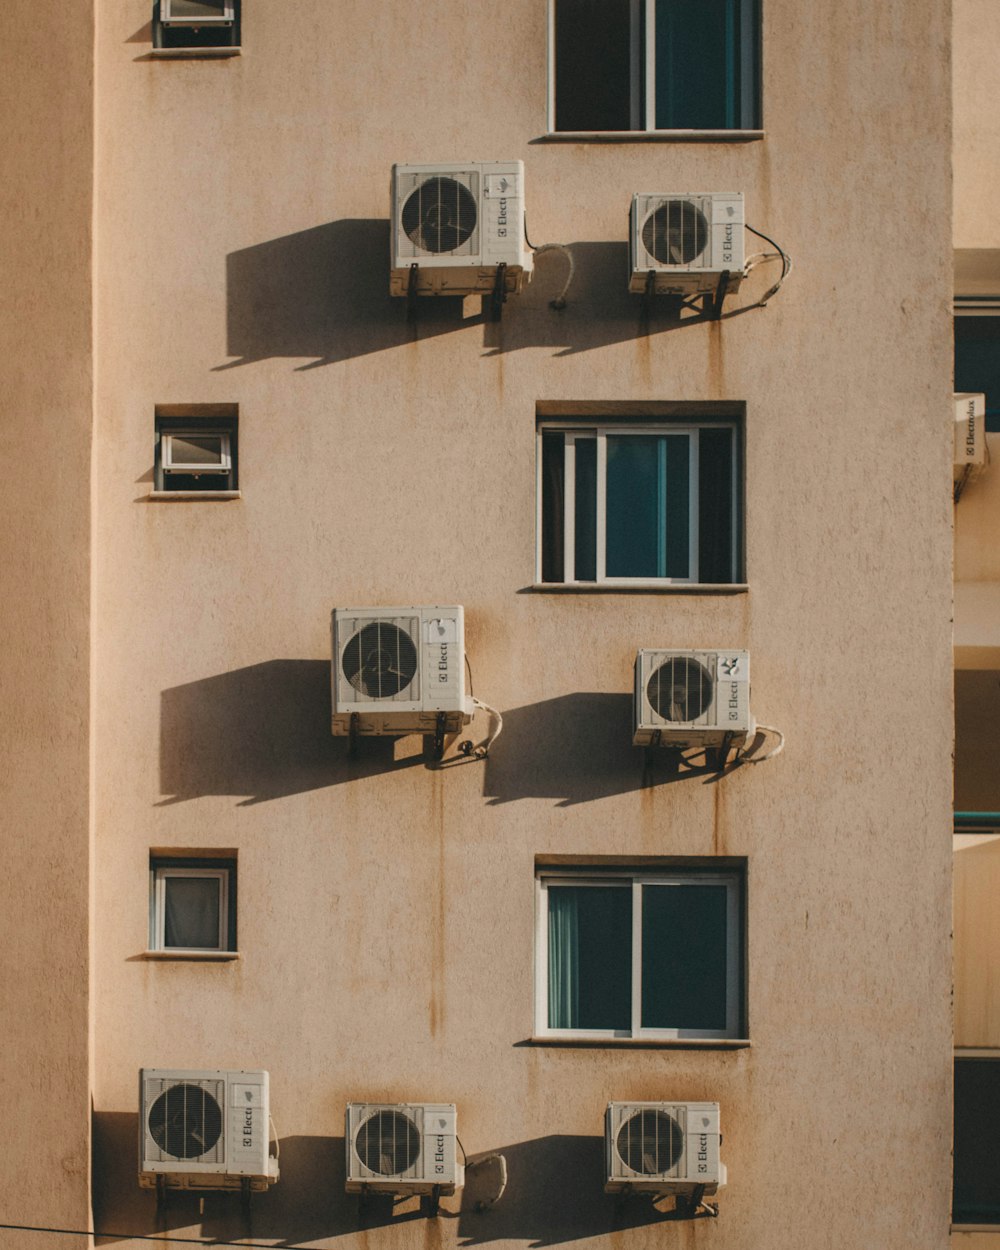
(640, 955)
(645, 503)
(655, 65)
(976, 1192)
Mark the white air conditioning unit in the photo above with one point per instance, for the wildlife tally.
(406, 1147)
(663, 1147)
(970, 433)
(692, 698)
(687, 240)
(399, 670)
(458, 223)
(204, 1130)
(197, 12)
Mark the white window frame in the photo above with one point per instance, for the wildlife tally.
(158, 876)
(642, 118)
(733, 881)
(574, 431)
(168, 19)
(168, 465)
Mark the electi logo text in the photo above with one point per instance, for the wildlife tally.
(438, 1156)
(248, 1126)
(502, 219)
(443, 663)
(727, 243)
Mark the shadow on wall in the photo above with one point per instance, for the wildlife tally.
(555, 1193)
(574, 749)
(261, 733)
(324, 293)
(977, 740)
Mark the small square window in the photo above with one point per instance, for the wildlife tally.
(650, 954)
(655, 65)
(193, 26)
(192, 905)
(976, 1192)
(196, 451)
(623, 503)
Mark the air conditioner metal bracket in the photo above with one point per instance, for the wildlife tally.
(439, 731)
(498, 296)
(713, 304)
(722, 752)
(648, 293)
(411, 292)
(352, 730)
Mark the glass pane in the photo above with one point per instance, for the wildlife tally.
(592, 65)
(977, 1142)
(590, 957)
(684, 939)
(585, 533)
(715, 506)
(196, 449)
(553, 506)
(977, 362)
(648, 505)
(198, 8)
(698, 64)
(191, 916)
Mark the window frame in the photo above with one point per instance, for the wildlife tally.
(195, 421)
(168, 19)
(163, 868)
(642, 81)
(168, 465)
(600, 428)
(735, 882)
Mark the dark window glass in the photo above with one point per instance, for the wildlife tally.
(593, 65)
(684, 968)
(977, 362)
(192, 908)
(715, 506)
(697, 64)
(648, 506)
(976, 1192)
(590, 957)
(585, 498)
(553, 505)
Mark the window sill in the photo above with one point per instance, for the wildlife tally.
(168, 496)
(168, 54)
(647, 1043)
(650, 136)
(195, 956)
(624, 588)
(976, 1228)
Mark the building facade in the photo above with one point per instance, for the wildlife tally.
(200, 251)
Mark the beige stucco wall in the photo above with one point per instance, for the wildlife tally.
(46, 145)
(385, 908)
(976, 84)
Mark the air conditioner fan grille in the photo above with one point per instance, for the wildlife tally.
(440, 215)
(676, 233)
(185, 1121)
(650, 1142)
(388, 1143)
(380, 660)
(680, 690)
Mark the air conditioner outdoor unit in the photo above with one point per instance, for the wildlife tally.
(970, 433)
(687, 240)
(204, 1130)
(406, 1147)
(663, 1147)
(692, 698)
(400, 670)
(197, 12)
(457, 223)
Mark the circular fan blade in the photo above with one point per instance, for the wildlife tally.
(439, 215)
(380, 660)
(185, 1121)
(680, 690)
(676, 233)
(650, 1142)
(388, 1143)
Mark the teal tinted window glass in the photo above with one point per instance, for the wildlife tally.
(715, 505)
(553, 506)
(976, 1190)
(590, 957)
(977, 362)
(705, 64)
(647, 532)
(684, 956)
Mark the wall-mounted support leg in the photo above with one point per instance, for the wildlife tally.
(439, 728)
(352, 734)
(722, 752)
(499, 295)
(720, 295)
(161, 1193)
(648, 293)
(411, 293)
(689, 1204)
(245, 1197)
(434, 1200)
